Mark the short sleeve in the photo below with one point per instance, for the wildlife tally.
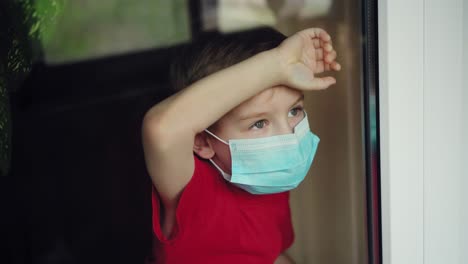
(199, 190)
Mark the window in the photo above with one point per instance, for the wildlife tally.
(96, 68)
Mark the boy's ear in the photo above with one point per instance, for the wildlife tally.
(202, 146)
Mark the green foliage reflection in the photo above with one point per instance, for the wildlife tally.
(24, 24)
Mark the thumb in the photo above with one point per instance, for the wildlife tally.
(303, 79)
(321, 83)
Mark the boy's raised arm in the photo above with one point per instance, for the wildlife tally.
(169, 128)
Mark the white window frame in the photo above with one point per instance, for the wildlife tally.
(423, 97)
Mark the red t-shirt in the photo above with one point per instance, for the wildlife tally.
(218, 222)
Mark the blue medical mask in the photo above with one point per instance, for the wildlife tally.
(271, 164)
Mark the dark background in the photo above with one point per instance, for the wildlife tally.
(73, 185)
(78, 190)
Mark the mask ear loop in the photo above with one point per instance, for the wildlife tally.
(224, 174)
(207, 131)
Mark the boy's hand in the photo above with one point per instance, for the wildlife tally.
(305, 54)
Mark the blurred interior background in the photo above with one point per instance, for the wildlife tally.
(77, 77)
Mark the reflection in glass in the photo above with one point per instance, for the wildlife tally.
(329, 208)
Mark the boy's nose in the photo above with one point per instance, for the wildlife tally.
(284, 127)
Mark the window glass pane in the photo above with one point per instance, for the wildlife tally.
(86, 29)
(101, 65)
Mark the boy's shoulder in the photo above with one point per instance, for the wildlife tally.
(204, 173)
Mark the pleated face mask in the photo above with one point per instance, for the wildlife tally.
(271, 164)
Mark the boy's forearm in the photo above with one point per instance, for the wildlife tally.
(202, 103)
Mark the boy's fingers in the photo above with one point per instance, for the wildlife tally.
(316, 43)
(319, 67)
(324, 35)
(330, 57)
(319, 54)
(317, 33)
(322, 83)
(335, 66)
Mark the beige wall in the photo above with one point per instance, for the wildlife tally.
(329, 211)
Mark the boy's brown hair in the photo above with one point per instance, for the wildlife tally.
(215, 52)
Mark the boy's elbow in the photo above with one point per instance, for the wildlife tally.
(158, 131)
(154, 131)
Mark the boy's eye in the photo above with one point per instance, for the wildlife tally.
(259, 124)
(294, 112)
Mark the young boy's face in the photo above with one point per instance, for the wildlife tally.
(275, 111)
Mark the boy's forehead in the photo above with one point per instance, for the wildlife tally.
(271, 97)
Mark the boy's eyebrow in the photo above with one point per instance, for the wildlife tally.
(252, 115)
(298, 100)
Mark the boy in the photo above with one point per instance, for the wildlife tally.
(224, 151)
